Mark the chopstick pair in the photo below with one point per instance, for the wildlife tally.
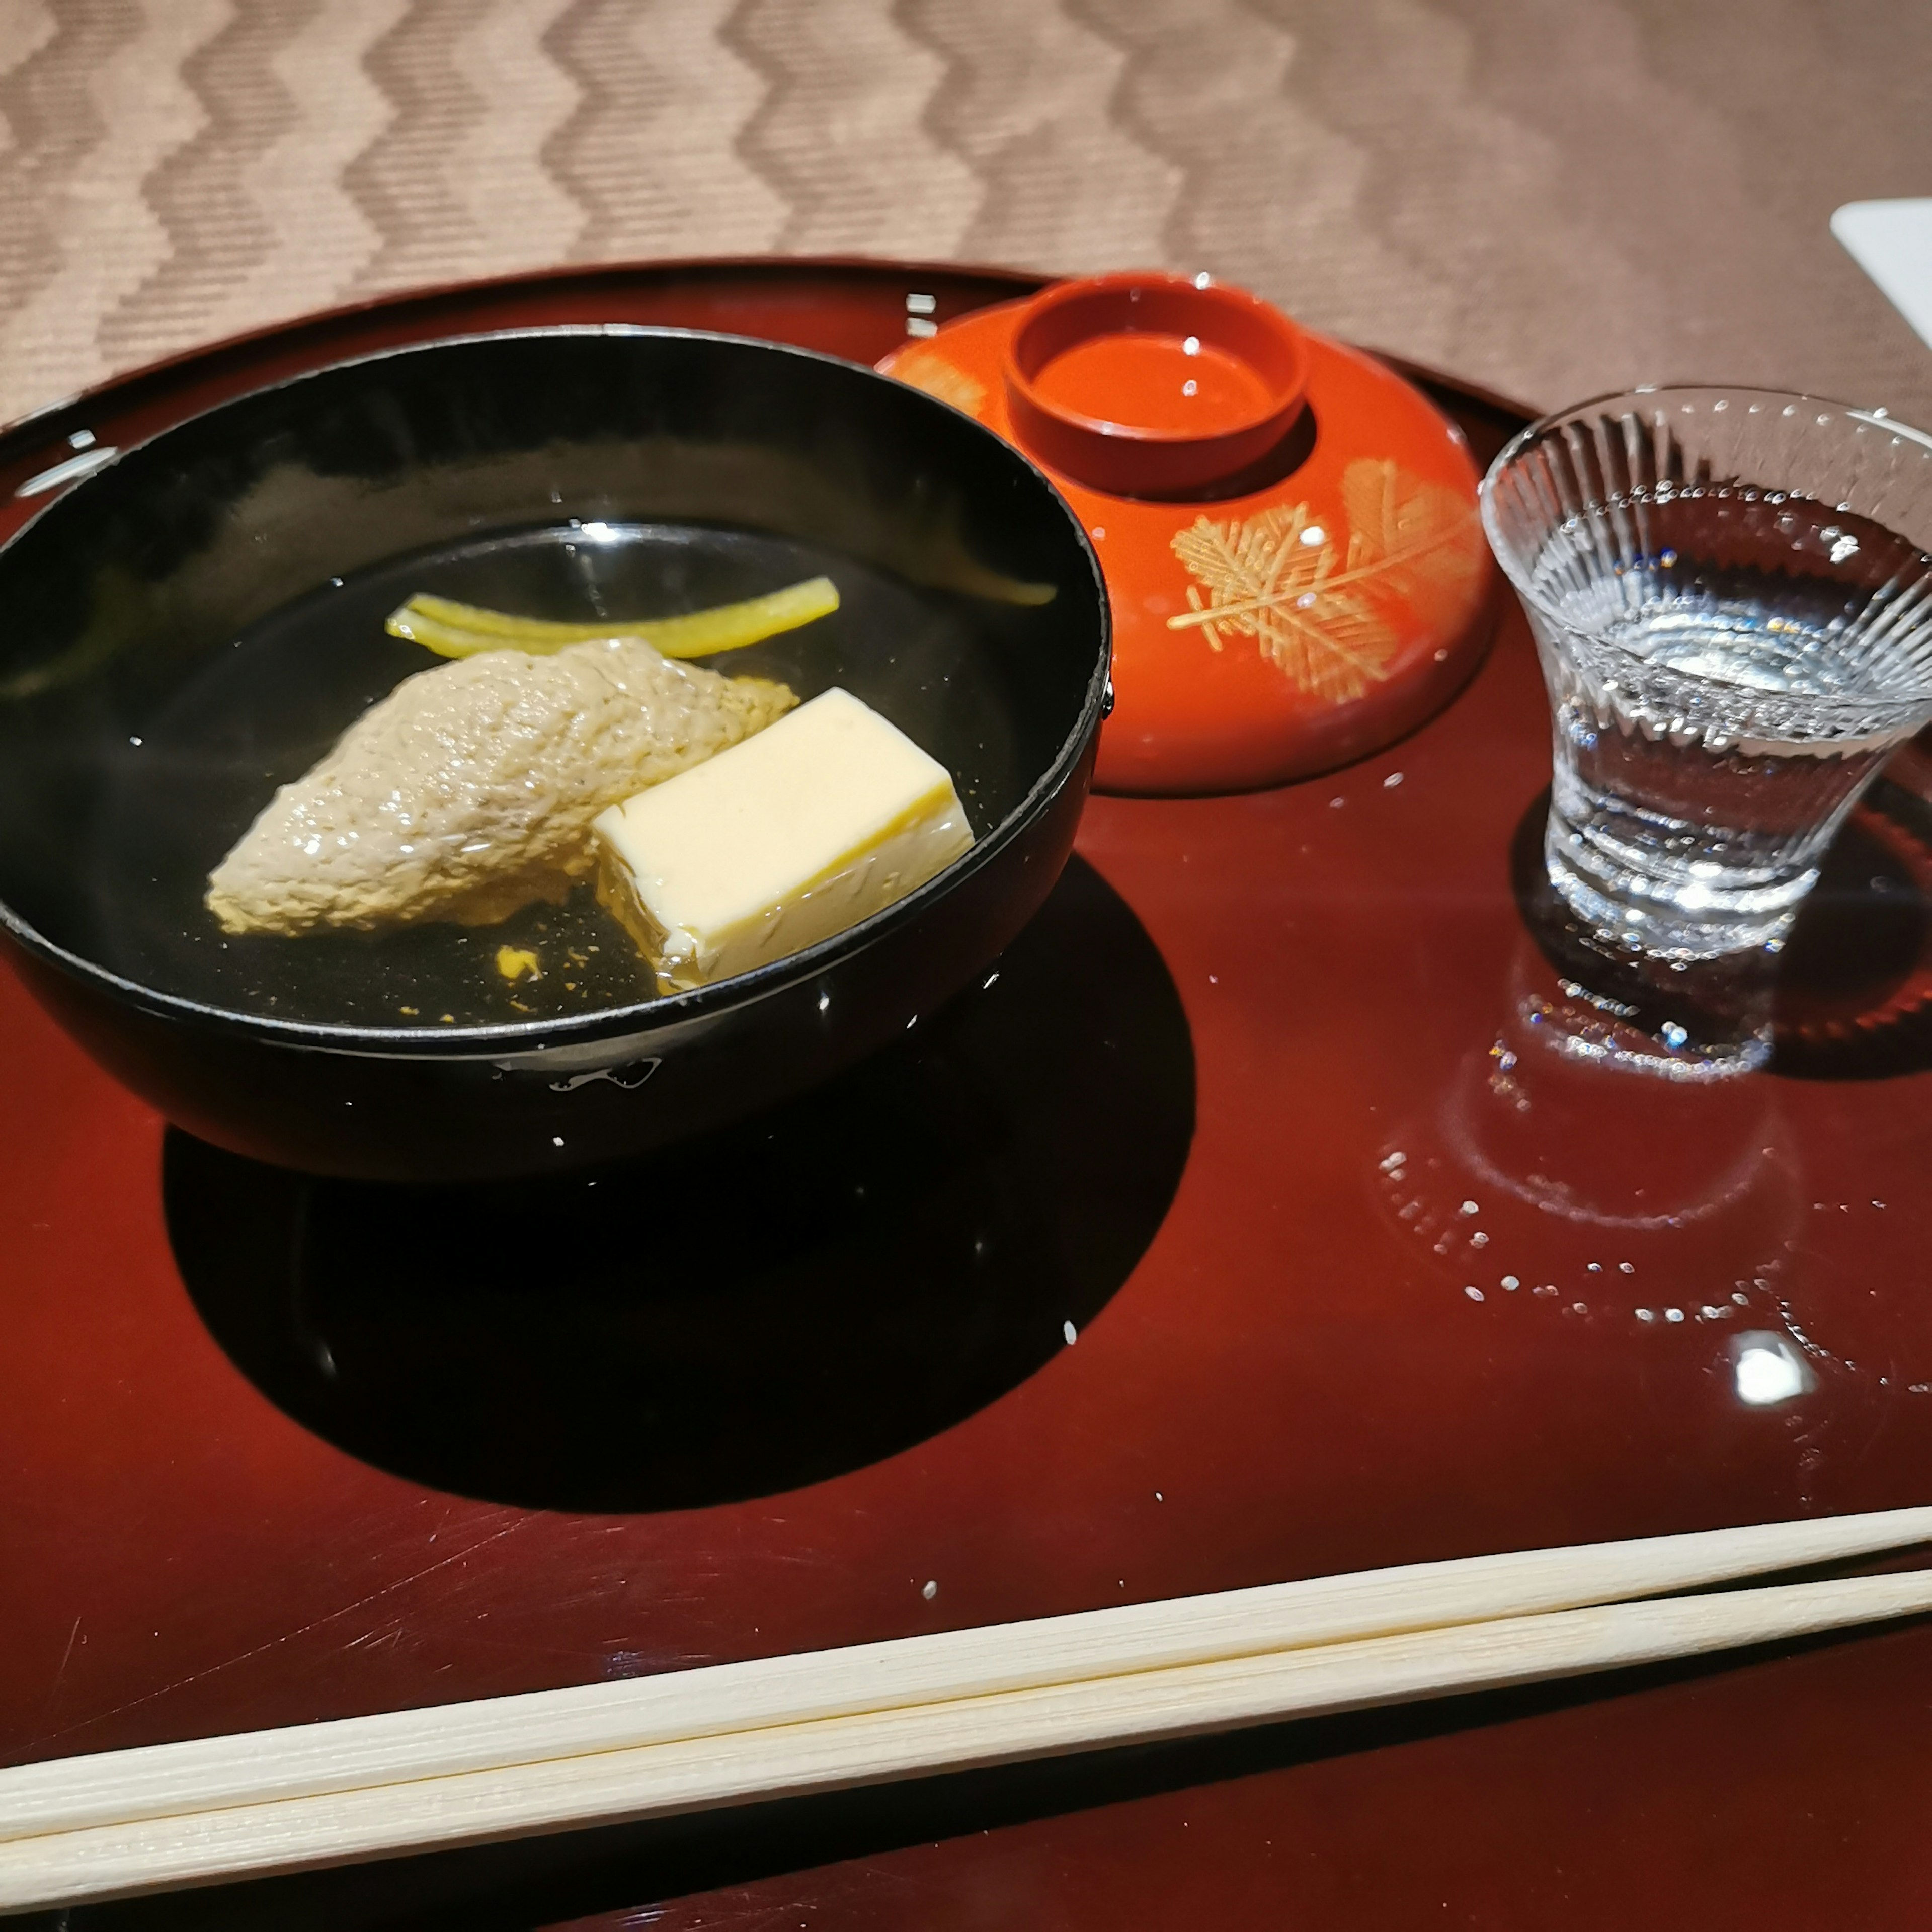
(169, 1815)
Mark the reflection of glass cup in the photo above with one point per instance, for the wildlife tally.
(1564, 1161)
(1734, 614)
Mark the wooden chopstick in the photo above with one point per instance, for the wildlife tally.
(699, 1774)
(175, 1814)
(261, 1766)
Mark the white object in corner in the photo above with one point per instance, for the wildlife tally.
(1891, 241)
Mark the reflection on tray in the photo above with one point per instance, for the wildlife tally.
(1854, 993)
(1593, 1152)
(764, 1308)
(1554, 1170)
(1849, 996)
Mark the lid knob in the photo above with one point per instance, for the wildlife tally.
(1144, 384)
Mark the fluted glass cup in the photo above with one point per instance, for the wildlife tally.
(1733, 603)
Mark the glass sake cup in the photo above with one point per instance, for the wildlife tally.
(1732, 600)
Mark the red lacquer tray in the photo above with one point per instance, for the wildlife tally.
(1177, 1257)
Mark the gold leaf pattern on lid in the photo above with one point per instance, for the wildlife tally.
(926, 369)
(1326, 612)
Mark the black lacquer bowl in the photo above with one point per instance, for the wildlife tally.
(193, 625)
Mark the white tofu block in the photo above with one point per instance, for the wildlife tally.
(797, 832)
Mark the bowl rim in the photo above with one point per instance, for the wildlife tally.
(528, 1042)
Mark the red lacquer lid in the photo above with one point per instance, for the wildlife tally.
(1289, 530)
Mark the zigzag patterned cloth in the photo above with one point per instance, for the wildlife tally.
(1550, 198)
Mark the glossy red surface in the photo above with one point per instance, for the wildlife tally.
(1344, 557)
(1159, 369)
(1146, 384)
(1296, 1376)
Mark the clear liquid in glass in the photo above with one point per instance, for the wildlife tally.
(1721, 695)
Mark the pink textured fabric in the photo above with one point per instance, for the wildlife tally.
(1550, 198)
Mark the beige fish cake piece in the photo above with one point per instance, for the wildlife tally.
(469, 790)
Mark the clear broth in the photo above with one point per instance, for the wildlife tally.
(261, 713)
